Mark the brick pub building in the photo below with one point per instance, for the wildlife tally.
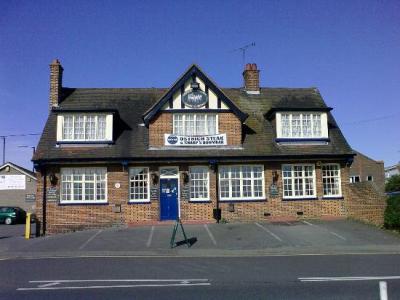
(194, 151)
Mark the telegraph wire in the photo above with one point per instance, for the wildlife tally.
(371, 120)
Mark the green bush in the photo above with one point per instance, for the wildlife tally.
(392, 212)
(393, 184)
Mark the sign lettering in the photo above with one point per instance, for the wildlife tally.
(195, 98)
(200, 140)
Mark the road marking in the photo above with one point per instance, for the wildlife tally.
(50, 284)
(114, 286)
(119, 280)
(383, 290)
(150, 237)
(269, 231)
(310, 279)
(90, 239)
(331, 232)
(210, 235)
(308, 223)
(337, 235)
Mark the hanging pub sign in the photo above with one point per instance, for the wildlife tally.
(195, 98)
(196, 140)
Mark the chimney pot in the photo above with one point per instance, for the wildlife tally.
(251, 78)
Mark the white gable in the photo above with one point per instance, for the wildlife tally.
(212, 97)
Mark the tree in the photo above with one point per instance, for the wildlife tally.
(393, 184)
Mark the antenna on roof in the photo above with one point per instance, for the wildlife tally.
(243, 50)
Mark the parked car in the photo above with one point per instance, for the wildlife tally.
(12, 215)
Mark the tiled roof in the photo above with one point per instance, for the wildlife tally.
(131, 137)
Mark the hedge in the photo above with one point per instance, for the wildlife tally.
(392, 212)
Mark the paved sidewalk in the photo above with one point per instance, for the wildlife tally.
(249, 239)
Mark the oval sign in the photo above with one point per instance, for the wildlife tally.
(195, 99)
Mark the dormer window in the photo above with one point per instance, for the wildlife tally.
(84, 127)
(192, 124)
(301, 125)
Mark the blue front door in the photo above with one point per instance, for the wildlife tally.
(168, 198)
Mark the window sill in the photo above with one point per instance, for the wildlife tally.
(302, 140)
(200, 201)
(140, 202)
(84, 142)
(332, 198)
(242, 200)
(65, 203)
(300, 199)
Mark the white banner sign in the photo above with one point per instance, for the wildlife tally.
(201, 140)
(12, 182)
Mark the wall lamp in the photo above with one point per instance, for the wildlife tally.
(53, 179)
(154, 178)
(185, 177)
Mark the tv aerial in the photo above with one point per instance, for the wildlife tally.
(243, 49)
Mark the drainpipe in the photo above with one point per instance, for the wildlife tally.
(44, 204)
(217, 210)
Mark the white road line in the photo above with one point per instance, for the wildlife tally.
(270, 232)
(383, 290)
(114, 286)
(331, 232)
(309, 279)
(48, 284)
(308, 223)
(150, 237)
(90, 239)
(119, 280)
(337, 235)
(210, 235)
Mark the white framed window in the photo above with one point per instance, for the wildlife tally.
(83, 185)
(195, 124)
(298, 181)
(139, 184)
(354, 179)
(84, 127)
(199, 183)
(370, 178)
(298, 125)
(242, 182)
(331, 180)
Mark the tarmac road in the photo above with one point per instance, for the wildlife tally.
(264, 277)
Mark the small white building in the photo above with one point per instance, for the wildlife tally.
(17, 187)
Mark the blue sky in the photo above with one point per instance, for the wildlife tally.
(350, 50)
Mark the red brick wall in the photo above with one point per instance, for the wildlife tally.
(227, 123)
(278, 208)
(62, 218)
(363, 166)
(365, 203)
(160, 125)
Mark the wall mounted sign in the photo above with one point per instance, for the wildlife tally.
(52, 194)
(12, 182)
(194, 98)
(30, 197)
(199, 140)
(273, 190)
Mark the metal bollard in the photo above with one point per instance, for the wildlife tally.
(28, 226)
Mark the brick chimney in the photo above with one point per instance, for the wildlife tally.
(251, 79)
(56, 72)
